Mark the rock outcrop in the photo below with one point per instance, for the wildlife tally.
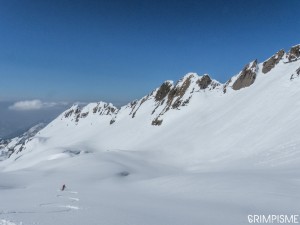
(226, 85)
(269, 64)
(296, 74)
(163, 91)
(246, 77)
(101, 108)
(156, 122)
(170, 97)
(204, 81)
(294, 53)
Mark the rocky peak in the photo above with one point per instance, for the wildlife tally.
(170, 97)
(100, 108)
(163, 90)
(176, 96)
(246, 77)
(204, 82)
(179, 90)
(294, 53)
(271, 62)
(69, 112)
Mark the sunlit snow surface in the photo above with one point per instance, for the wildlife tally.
(222, 157)
(120, 187)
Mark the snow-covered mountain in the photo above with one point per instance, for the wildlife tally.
(182, 154)
(16, 145)
(196, 109)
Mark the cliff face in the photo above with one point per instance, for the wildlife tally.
(294, 53)
(246, 77)
(180, 95)
(269, 64)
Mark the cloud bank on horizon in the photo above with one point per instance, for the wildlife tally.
(34, 105)
(17, 117)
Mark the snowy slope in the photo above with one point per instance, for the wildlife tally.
(186, 152)
(15, 145)
(201, 124)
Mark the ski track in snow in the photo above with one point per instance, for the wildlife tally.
(7, 222)
(58, 204)
(70, 198)
(61, 205)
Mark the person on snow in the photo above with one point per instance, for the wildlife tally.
(63, 187)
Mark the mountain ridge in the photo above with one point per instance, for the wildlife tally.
(194, 108)
(170, 95)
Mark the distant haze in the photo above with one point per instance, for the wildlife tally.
(13, 122)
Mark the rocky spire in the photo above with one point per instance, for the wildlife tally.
(294, 53)
(271, 62)
(246, 77)
(204, 81)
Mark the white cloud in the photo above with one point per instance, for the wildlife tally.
(34, 105)
(80, 103)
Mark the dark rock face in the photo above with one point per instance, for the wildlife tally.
(214, 85)
(297, 75)
(76, 113)
(156, 122)
(163, 91)
(95, 109)
(143, 100)
(178, 92)
(69, 113)
(204, 82)
(172, 96)
(294, 53)
(104, 110)
(77, 117)
(132, 106)
(246, 77)
(226, 85)
(83, 115)
(271, 62)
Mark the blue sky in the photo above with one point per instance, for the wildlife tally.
(118, 50)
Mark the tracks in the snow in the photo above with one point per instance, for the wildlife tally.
(65, 201)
